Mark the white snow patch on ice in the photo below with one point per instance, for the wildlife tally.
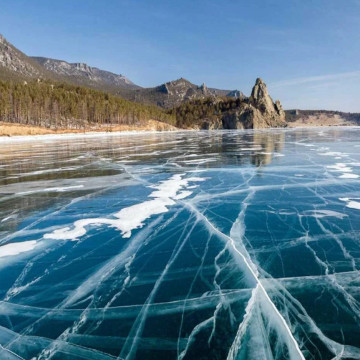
(256, 147)
(133, 217)
(14, 216)
(304, 144)
(199, 161)
(351, 203)
(324, 213)
(348, 176)
(17, 248)
(333, 153)
(47, 171)
(50, 137)
(340, 167)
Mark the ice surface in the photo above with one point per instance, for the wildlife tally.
(189, 245)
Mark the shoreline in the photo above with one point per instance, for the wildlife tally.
(94, 134)
(78, 135)
(15, 131)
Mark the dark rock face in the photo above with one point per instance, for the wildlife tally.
(163, 89)
(239, 119)
(212, 125)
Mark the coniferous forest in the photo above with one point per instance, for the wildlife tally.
(193, 113)
(59, 105)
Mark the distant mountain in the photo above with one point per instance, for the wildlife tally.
(56, 94)
(174, 93)
(84, 74)
(14, 63)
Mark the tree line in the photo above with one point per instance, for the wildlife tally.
(60, 105)
(193, 113)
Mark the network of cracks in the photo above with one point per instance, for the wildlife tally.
(186, 245)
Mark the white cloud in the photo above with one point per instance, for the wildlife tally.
(316, 79)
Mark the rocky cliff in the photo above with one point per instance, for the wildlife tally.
(85, 73)
(16, 63)
(256, 112)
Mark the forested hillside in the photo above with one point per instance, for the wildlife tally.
(194, 113)
(59, 105)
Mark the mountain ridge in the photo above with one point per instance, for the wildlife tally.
(80, 70)
(175, 92)
(16, 64)
(178, 97)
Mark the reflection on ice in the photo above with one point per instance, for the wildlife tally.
(190, 245)
(56, 189)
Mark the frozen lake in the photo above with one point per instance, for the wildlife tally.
(187, 245)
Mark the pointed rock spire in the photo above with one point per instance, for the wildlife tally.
(204, 88)
(260, 97)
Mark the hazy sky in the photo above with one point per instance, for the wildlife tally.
(307, 51)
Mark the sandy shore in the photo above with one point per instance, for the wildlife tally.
(10, 129)
(76, 135)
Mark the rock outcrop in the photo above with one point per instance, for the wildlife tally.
(256, 112)
(16, 65)
(13, 60)
(204, 89)
(84, 73)
(260, 99)
(176, 92)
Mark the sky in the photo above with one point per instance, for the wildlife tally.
(307, 51)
